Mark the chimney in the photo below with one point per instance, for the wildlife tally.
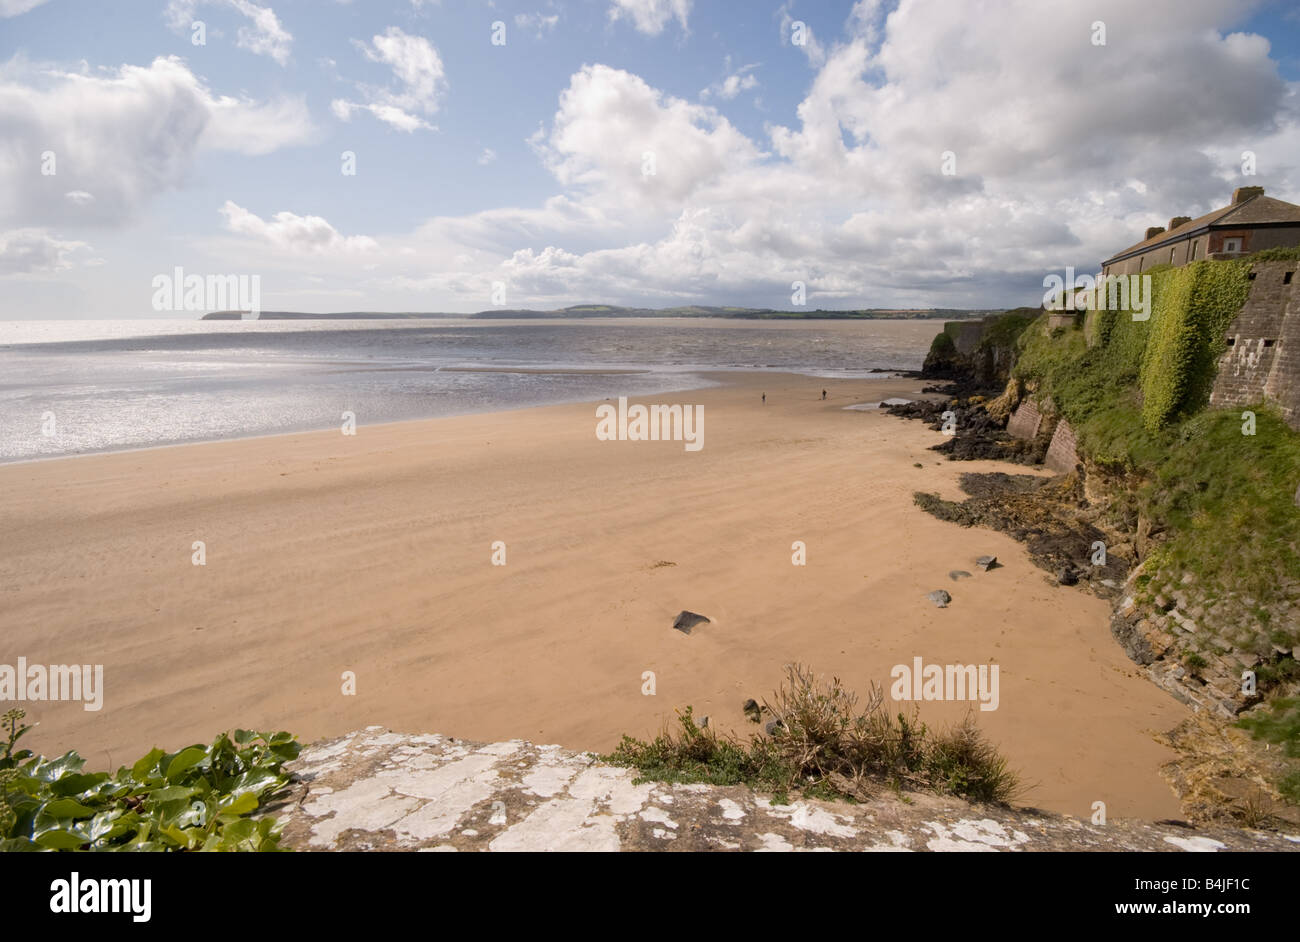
(1178, 221)
(1153, 231)
(1243, 193)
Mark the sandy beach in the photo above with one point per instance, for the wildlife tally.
(373, 553)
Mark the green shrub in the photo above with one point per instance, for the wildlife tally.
(1004, 330)
(697, 755)
(1290, 253)
(199, 798)
(942, 345)
(827, 747)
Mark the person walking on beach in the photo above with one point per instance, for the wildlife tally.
(823, 395)
(764, 398)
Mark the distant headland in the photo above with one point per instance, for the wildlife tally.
(613, 310)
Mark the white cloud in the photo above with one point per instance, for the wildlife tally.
(651, 16)
(33, 251)
(10, 8)
(540, 22)
(1065, 152)
(807, 41)
(1070, 158)
(420, 81)
(264, 35)
(123, 135)
(612, 128)
(487, 157)
(742, 80)
(293, 233)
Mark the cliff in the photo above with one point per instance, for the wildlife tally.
(1180, 431)
(980, 353)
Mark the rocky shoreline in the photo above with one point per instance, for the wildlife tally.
(1222, 775)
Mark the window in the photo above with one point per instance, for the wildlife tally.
(1171, 254)
(1232, 245)
(1192, 256)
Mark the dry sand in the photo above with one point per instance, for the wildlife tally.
(372, 553)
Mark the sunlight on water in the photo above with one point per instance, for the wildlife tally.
(107, 385)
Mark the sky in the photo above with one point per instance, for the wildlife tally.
(449, 155)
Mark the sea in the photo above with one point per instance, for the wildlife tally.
(71, 387)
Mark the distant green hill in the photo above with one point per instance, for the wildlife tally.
(613, 310)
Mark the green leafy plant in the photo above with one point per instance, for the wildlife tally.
(197, 799)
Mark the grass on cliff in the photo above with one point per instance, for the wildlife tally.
(1217, 486)
(827, 747)
(1003, 331)
(1279, 724)
(1136, 398)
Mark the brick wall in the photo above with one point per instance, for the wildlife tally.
(1263, 357)
(1062, 454)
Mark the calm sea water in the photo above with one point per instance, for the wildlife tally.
(109, 385)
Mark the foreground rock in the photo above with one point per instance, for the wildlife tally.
(685, 621)
(378, 790)
(940, 598)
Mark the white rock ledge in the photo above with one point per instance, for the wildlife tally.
(379, 790)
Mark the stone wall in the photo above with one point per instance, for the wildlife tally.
(1062, 453)
(1025, 421)
(380, 790)
(1262, 361)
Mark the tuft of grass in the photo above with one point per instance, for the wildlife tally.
(1278, 723)
(827, 746)
(700, 755)
(1290, 787)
